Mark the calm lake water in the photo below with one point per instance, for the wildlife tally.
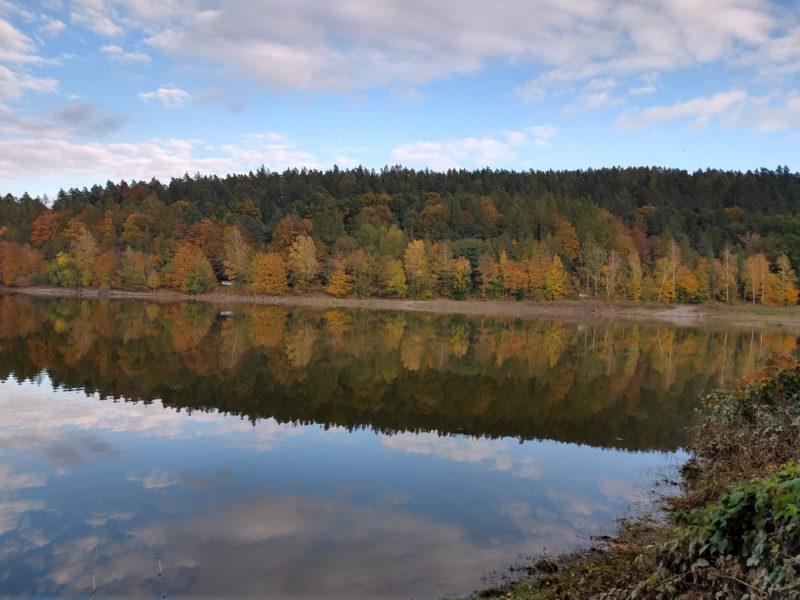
(327, 454)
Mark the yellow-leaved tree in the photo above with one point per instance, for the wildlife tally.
(756, 278)
(785, 289)
(303, 261)
(727, 270)
(556, 279)
(237, 255)
(340, 283)
(418, 269)
(393, 278)
(461, 277)
(566, 239)
(269, 274)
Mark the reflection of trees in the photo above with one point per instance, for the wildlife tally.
(300, 343)
(388, 371)
(267, 327)
(188, 324)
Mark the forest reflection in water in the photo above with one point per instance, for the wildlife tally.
(377, 454)
(627, 386)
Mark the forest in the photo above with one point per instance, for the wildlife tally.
(633, 234)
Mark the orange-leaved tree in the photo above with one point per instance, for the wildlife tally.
(785, 287)
(269, 274)
(191, 270)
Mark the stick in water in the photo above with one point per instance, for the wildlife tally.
(161, 579)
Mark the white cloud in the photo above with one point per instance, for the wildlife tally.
(15, 46)
(312, 45)
(17, 52)
(114, 52)
(647, 84)
(772, 117)
(473, 151)
(593, 101)
(602, 84)
(700, 110)
(410, 95)
(98, 16)
(169, 97)
(52, 27)
(14, 84)
(642, 89)
(44, 158)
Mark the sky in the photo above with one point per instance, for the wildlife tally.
(97, 90)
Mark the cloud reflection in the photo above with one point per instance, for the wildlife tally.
(226, 529)
(298, 547)
(494, 453)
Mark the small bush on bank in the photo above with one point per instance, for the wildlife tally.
(748, 543)
(746, 431)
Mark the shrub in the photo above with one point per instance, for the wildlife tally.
(749, 539)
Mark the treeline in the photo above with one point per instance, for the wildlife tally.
(661, 235)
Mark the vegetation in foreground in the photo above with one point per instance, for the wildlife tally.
(637, 234)
(733, 533)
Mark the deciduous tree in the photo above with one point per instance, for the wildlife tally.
(303, 261)
(340, 283)
(786, 288)
(237, 255)
(555, 283)
(191, 269)
(418, 269)
(269, 274)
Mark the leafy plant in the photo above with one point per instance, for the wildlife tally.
(756, 525)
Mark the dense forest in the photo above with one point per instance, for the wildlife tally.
(621, 386)
(634, 234)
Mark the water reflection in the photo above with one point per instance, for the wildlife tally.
(622, 386)
(377, 455)
(278, 510)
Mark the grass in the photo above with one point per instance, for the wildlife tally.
(734, 532)
(626, 560)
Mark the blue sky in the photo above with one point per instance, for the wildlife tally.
(92, 90)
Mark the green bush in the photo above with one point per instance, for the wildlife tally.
(197, 282)
(752, 535)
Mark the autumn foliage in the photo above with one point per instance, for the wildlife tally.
(611, 234)
(269, 274)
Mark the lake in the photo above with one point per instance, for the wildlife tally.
(263, 451)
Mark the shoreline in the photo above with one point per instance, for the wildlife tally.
(731, 532)
(582, 311)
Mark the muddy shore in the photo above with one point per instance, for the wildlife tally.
(564, 310)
